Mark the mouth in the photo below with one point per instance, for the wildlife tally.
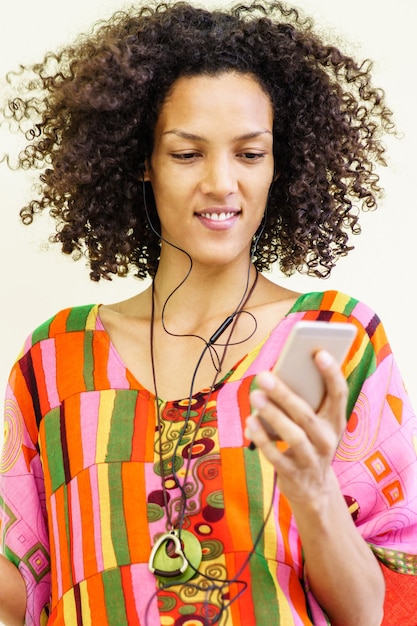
(218, 217)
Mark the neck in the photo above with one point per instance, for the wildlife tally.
(191, 298)
(204, 290)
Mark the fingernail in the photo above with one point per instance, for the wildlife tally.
(251, 426)
(323, 359)
(266, 380)
(258, 399)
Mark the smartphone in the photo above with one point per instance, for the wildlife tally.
(295, 365)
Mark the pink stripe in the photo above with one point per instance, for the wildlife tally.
(28, 344)
(49, 371)
(95, 503)
(272, 347)
(363, 313)
(228, 409)
(77, 533)
(89, 407)
(116, 371)
(228, 414)
(144, 589)
(55, 534)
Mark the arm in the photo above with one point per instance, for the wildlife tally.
(12, 594)
(344, 575)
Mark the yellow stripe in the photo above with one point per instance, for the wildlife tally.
(85, 604)
(270, 535)
(68, 607)
(357, 357)
(109, 557)
(285, 614)
(105, 412)
(340, 301)
(91, 320)
(247, 362)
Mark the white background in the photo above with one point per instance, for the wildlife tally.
(36, 282)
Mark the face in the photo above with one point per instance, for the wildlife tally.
(212, 165)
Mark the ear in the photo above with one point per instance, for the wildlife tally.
(277, 174)
(146, 177)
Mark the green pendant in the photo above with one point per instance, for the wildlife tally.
(175, 557)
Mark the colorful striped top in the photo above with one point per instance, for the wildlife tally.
(81, 497)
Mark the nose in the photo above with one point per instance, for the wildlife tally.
(220, 177)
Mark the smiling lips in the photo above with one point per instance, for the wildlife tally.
(218, 219)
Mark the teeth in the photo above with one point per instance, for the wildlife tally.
(217, 217)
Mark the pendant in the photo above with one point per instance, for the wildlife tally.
(175, 557)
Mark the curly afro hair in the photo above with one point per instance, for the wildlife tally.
(93, 107)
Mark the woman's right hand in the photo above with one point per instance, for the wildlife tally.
(12, 594)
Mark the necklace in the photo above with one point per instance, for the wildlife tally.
(177, 554)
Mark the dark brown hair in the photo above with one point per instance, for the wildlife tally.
(93, 108)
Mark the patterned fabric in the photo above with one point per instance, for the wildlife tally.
(81, 499)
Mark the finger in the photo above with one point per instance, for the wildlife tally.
(300, 454)
(334, 406)
(274, 421)
(294, 411)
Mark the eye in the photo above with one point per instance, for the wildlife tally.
(252, 156)
(185, 156)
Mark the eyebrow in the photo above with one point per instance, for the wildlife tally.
(185, 135)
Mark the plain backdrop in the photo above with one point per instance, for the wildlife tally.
(37, 280)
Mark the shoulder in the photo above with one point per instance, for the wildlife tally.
(336, 306)
(69, 320)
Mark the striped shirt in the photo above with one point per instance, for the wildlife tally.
(81, 498)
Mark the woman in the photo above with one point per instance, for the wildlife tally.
(200, 147)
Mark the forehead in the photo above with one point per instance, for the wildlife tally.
(229, 98)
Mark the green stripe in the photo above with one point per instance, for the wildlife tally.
(113, 591)
(122, 423)
(118, 523)
(255, 490)
(77, 317)
(88, 365)
(307, 302)
(364, 369)
(42, 332)
(53, 450)
(67, 527)
(350, 306)
(264, 595)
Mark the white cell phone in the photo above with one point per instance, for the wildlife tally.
(295, 365)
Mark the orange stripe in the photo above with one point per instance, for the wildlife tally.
(383, 353)
(98, 603)
(59, 323)
(243, 610)
(296, 592)
(101, 348)
(74, 436)
(45, 461)
(236, 500)
(328, 299)
(40, 379)
(284, 516)
(135, 511)
(129, 596)
(133, 383)
(379, 338)
(18, 384)
(62, 538)
(87, 521)
(69, 360)
(52, 551)
(143, 430)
